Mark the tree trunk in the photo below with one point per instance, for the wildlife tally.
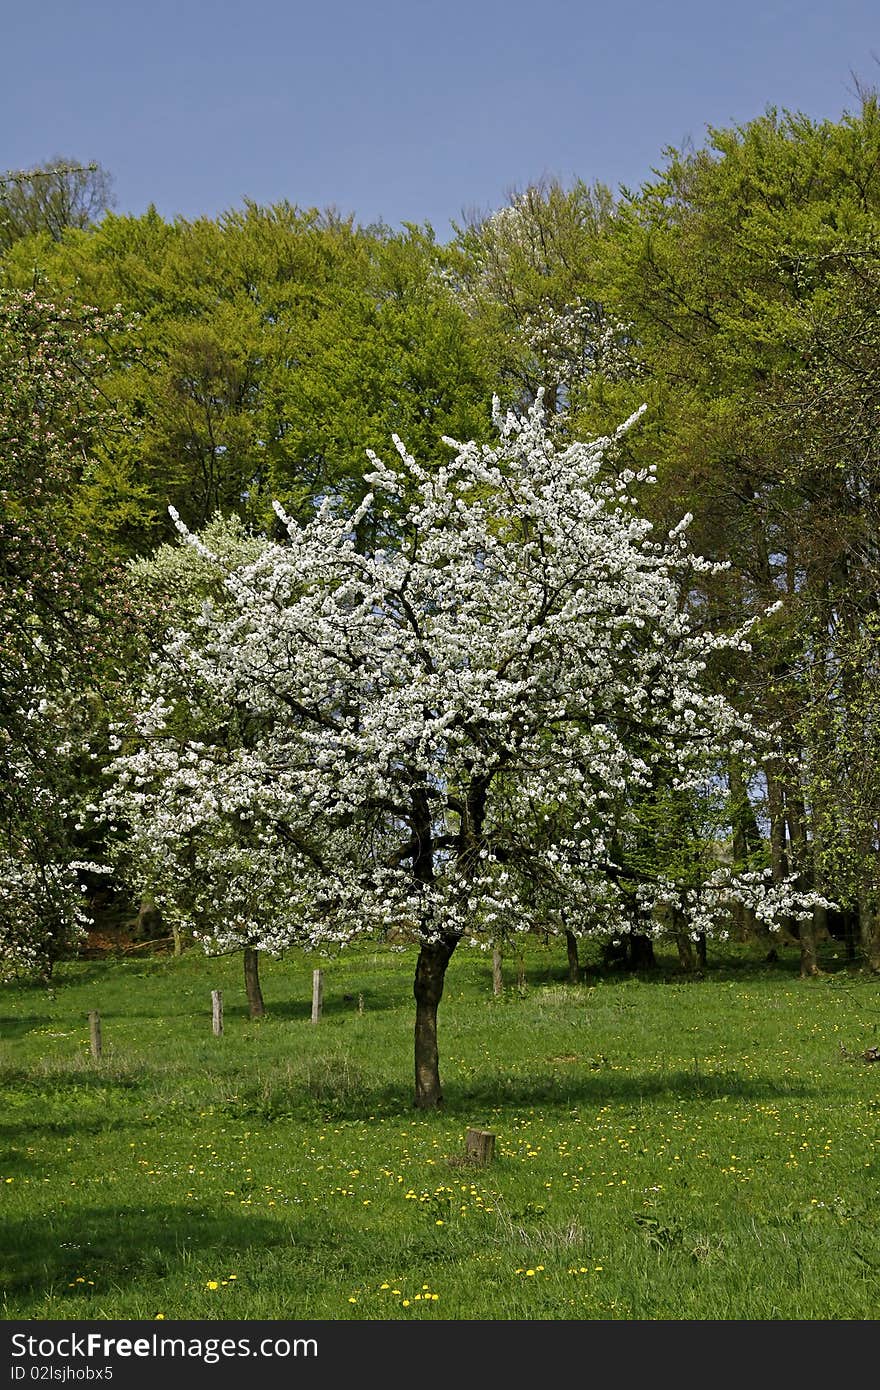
(776, 815)
(148, 922)
(574, 965)
(869, 930)
(778, 849)
(433, 959)
(256, 1007)
(809, 956)
(796, 815)
(746, 837)
(685, 951)
(850, 933)
(688, 959)
(641, 951)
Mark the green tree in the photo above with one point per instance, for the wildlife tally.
(526, 276)
(56, 639)
(728, 267)
(52, 198)
(273, 346)
(837, 420)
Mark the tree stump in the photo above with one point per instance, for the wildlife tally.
(479, 1145)
(217, 1011)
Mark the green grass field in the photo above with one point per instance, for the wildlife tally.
(666, 1148)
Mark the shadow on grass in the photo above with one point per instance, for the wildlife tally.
(71, 1107)
(602, 1085)
(343, 1005)
(667, 972)
(65, 1081)
(337, 1086)
(120, 1246)
(25, 1023)
(352, 1097)
(76, 1102)
(71, 974)
(13, 1162)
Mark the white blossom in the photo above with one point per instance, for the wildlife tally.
(444, 737)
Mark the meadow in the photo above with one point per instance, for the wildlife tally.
(666, 1147)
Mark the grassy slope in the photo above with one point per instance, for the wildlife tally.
(665, 1148)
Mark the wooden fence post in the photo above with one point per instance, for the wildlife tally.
(317, 994)
(217, 1011)
(95, 1034)
(497, 976)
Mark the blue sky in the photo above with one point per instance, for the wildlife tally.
(405, 111)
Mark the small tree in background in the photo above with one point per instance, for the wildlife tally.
(165, 866)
